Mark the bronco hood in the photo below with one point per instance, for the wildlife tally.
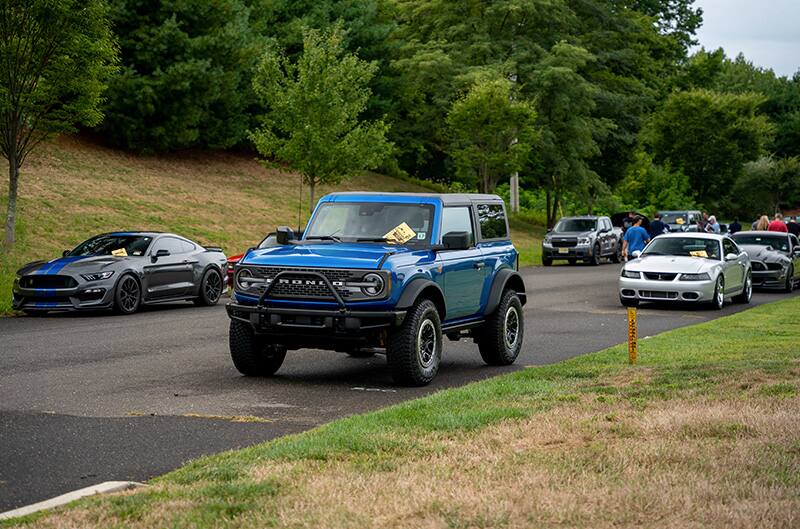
(69, 264)
(323, 255)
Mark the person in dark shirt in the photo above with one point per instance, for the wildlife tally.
(793, 226)
(657, 227)
(734, 226)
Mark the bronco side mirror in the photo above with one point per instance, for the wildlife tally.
(65, 253)
(456, 240)
(284, 234)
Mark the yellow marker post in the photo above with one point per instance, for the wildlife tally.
(633, 342)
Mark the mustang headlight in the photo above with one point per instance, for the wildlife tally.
(98, 277)
(695, 277)
(584, 241)
(630, 274)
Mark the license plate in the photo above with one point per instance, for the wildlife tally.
(563, 250)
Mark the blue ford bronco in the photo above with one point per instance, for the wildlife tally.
(391, 272)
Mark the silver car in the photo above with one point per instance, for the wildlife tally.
(688, 267)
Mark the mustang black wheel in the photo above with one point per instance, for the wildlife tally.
(747, 291)
(251, 356)
(210, 288)
(127, 295)
(500, 338)
(415, 348)
(789, 286)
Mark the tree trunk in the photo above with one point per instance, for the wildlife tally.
(312, 185)
(547, 210)
(11, 216)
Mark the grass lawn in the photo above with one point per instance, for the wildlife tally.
(71, 189)
(703, 432)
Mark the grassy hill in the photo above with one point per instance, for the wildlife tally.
(71, 189)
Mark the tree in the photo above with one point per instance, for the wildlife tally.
(491, 133)
(313, 112)
(57, 57)
(709, 136)
(569, 132)
(186, 77)
(767, 184)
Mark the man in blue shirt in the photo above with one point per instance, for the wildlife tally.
(635, 239)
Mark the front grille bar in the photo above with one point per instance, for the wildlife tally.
(265, 295)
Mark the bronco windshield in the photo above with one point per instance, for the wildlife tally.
(684, 247)
(372, 222)
(118, 245)
(574, 225)
(776, 242)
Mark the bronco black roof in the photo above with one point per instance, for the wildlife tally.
(448, 199)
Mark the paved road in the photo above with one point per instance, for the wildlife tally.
(91, 398)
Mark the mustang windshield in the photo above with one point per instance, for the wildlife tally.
(119, 245)
(573, 225)
(777, 242)
(684, 246)
(372, 222)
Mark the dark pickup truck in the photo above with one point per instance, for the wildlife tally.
(586, 238)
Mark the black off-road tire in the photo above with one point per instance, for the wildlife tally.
(251, 356)
(500, 338)
(628, 302)
(747, 291)
(127, 295)
(210, 288)
(413, 358)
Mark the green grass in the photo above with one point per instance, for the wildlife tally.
(71, 189)
(712, 404)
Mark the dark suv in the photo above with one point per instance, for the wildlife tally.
(586, 238)
(383, 272)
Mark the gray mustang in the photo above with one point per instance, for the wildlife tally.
(122, 271)
(775, 257)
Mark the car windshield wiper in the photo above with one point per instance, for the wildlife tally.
(324, 238)
(372, 239)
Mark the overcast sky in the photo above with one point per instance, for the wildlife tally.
(766, 31)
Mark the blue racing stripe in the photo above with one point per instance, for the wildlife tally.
(55, 266)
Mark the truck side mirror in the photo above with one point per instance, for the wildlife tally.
(456, 240)
(284, 234)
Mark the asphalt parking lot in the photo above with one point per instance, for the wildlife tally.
(91, 398)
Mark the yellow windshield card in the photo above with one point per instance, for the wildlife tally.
(119, 252)
(699, 253)
(679, 220)
(400, 234)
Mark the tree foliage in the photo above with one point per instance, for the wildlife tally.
(768, 184)
(186, 74)
(57, 58)
(312, 121)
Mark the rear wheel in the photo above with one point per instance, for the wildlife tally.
(414, 351)
(127, 295)
(747, 291)
(500, 338)
(718, 301)
(210, 288)
(251, 356)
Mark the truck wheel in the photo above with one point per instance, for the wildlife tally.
(251, 357)
(595, 260)
(415, 348)
(500, 339)
(210, 289)
(617, 256)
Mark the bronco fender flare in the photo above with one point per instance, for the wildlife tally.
(422, 287)
(505, 278)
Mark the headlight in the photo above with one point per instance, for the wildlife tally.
(245, 279)
(98, 276)
(584, 240)
(374, 284)
(695, 277)
(630, 274)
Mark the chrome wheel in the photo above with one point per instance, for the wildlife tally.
(213, 287)
(129, 293)
(427, 343)
(719, 294)
(511, 327)
(748, 288)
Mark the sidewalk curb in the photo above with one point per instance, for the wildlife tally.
(101, 488)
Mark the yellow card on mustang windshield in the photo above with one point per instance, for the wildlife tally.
(400, 234)
(699, 253)
(119, 252)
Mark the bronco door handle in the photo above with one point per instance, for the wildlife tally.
(479, 265)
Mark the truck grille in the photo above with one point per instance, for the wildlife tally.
(47, 282)
(565, 243)
(303, 286)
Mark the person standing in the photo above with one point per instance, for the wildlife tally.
(713, 226)
(777, 224)
(658, 227)
(635, 239)
(762, 224)
(793, 227)
(628, 221)
(702, 222)
(734, 226)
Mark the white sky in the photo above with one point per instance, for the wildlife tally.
(766, 31)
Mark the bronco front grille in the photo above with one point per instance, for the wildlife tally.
(34, 281)
(304, 286)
